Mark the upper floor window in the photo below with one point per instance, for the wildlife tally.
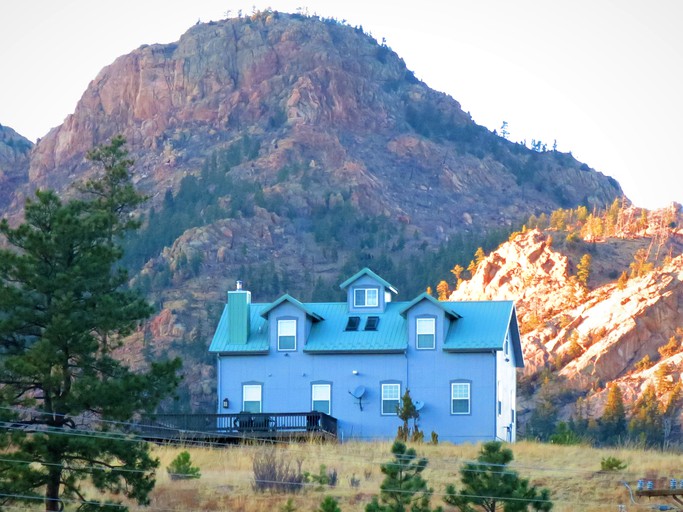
(425, 331)
(391, 394)
(460, 397)
(366, 297)
(286, 334)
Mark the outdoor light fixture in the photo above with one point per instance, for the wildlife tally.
(226, 403)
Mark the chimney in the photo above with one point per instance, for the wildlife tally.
(238, 315)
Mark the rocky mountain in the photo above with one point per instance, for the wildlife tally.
(14, 162)
(626, 331)
(289, 151)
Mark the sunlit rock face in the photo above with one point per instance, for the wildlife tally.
(589, 338)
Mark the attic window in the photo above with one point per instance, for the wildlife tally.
(371, 323)
(353, 323)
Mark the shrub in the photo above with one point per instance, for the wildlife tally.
(435, 438)
(612, 464)
(274, 472)
(323, 477)
(353, 481)
(181, 467)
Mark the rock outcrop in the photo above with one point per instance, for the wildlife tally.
(588, 338)
(14, 162)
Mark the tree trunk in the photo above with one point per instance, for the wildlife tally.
(52, 501)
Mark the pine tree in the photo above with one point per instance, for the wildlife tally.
(612, 425)
(491, 485)
(64, 307)
(403, 487)
(329, 504)
(584, 270)
(646, 419)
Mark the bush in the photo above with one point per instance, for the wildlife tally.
(182, 467)
(612, 464)
(323, 477)
(273, 472)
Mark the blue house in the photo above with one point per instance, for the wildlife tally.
(353, 361)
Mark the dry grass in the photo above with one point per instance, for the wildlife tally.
(572, 473)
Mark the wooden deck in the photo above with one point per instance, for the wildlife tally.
(230, 428)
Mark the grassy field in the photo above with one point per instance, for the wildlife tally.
(572, 473)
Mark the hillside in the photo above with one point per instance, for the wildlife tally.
(625, 331)
(14, 162)
(290, 151)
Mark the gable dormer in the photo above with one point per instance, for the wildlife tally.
(289, 323)
(366, 292)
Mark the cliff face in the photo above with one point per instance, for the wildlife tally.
(14, 162)
(587, 337)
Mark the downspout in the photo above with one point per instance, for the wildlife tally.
(220, 387)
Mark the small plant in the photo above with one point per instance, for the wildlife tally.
(435, 438)
(329, 504)
(273, 472)
(612, 464)
(323, 477)
(353, 481)
(367, 473)
(289, 506)
(181, 467)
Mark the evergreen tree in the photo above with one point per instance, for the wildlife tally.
(64, 308)
(403, 487)
(491, 485)
(612, 425)
(329, 504)
(646, 419)
(584, 270)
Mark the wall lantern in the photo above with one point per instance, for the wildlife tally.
(226, 403)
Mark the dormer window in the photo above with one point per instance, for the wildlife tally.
(425, 331)
(366, 298)
(286, 334)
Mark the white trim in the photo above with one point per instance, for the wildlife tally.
(252, 393)
(464, 393)
(286, 327)
(391, 389)
(370, 297)
(321, 393)
(425, 326)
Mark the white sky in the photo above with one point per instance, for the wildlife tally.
(602, 77)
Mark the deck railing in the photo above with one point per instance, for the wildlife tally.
(244, 424)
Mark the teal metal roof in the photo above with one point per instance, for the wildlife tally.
(446, 306)
(482, 325)
(478, 326)
(288, 298)
(367, 272)
(330, 336)
(257, 341)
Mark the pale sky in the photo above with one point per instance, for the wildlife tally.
(602, 77)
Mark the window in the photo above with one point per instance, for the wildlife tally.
(286, 334)
(460, 397)
(352, 324)
(321, 401)
(251, 397)
(366, 297)
(391, 394)
(425, 329)
(371, 323)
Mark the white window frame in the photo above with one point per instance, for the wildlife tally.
(464, 393)
(249, 393)
(321, 393)
(425, 326)
(286, 327)
(368, 293)
(388, 390)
